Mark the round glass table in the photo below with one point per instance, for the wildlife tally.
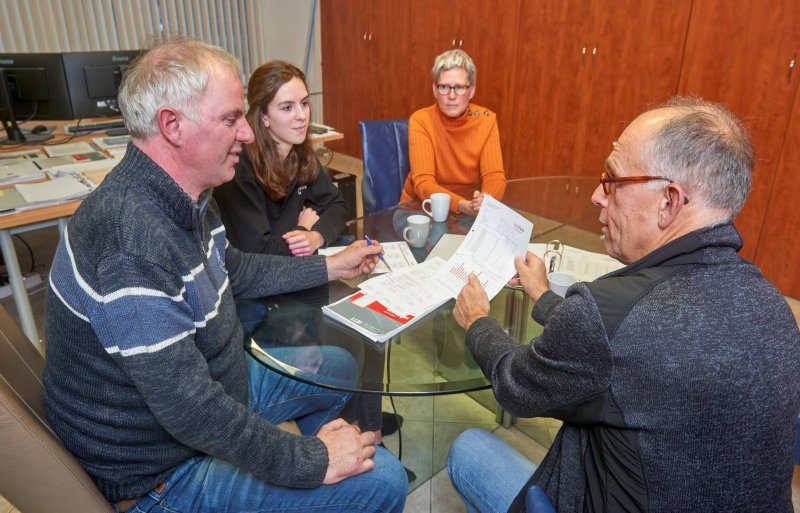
(289, 333)
(426, 372)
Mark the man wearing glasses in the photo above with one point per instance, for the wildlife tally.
(454, 144)
(677, 378)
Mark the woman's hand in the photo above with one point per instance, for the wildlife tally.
(308, 218)
(471, 207)
(302, 243)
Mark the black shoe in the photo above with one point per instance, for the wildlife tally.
(390, 423)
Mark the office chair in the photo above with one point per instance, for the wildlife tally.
(37, 474)
(385, 147)
(536, 501)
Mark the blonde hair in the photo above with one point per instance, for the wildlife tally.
(452, 59)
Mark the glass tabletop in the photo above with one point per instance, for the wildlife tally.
(290, 335)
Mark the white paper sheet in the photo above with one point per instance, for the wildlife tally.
(498, 235)
(409, 291)
(584, 265)
(398, 254)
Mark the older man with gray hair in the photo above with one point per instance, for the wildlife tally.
(677, 378)
(146, 380)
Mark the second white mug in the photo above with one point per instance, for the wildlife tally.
(439, 204)
(416, 230)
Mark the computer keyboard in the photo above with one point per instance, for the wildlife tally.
(95, 126)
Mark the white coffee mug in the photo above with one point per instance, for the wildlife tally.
(416, 230)
(559, 282)
(439, 204)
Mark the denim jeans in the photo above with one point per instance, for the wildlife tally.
(487, 472)
(207, 484)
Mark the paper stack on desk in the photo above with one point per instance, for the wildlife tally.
(389, 303)
(53, 191)
(22, 171)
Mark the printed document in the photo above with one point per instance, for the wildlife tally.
(498, 235)
(398, 254)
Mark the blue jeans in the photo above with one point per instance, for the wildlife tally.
(476, 454)
(207, 484)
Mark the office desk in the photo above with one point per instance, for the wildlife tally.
(29, 220)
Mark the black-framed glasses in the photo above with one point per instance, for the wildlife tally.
(605, 180)
(460, 89)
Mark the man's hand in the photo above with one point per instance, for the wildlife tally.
(308, 218)
(531, 275)
(357, 259)
(472, 303)
(303, 243)
(349, 450)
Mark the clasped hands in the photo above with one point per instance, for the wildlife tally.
(471, 207)
(473, 303)
(304, 242)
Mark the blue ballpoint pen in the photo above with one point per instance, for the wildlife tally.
(380, 255)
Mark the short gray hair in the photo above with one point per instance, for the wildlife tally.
(174, 74)
(705, 149)
(452, 59)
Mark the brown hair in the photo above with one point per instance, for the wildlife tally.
(273, 174)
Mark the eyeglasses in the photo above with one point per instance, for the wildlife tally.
(605, 180)
(460, 89)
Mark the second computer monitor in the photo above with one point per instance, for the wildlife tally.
(94, 79)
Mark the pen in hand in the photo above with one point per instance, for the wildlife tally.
(380, 255)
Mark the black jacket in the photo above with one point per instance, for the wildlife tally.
(677, 379)
(254, 223)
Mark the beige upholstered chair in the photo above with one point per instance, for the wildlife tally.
(37, 474)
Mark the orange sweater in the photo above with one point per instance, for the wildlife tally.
(449, 154)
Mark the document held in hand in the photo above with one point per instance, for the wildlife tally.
(497, 236)
(389, 303)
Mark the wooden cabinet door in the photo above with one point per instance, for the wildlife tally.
(634, 56)
(550, 87)
(778, 253)
(488, 33)
(345, 34)
(739, 53)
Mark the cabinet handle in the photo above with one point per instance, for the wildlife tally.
(594, 52)
(365, 36)
(370, 36)
(453, 43)
(583, 54)
(791, 68)
(460, 42)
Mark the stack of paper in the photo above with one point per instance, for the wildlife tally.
(389, 303)
(397, 254)
(23, 170)
(53, 191)
(584, 265)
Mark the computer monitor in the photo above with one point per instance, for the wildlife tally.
(94, 79)
(32, 86)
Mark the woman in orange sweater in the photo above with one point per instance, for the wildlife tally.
(454, 144)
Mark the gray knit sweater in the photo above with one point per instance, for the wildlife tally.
(145, 362)
(677, 378)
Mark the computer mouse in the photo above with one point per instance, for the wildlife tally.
(38, 129)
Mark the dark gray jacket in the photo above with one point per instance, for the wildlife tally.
(677, 378)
